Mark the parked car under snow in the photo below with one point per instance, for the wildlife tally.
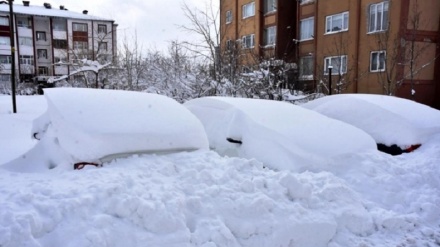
(281, 135)
(397, 125)
(94, 126)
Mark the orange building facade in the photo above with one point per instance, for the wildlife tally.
(371, 46)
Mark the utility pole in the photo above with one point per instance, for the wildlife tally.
(11, 30)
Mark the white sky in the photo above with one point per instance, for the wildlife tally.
(155, 21)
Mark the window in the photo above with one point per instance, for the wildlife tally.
(41, 53)
(80, 45)
(378, 17)
(307, 28)
(43, 71)
(102, 28)
(228, 17)
(59, 24)
(248, 10)
(306, 1)
(27, 41)
(336, 23)
(102, 46)
(4, 21)
(59, 44)
(5, 77)
(270, 35)
(248, 41)
(25, 59)
(377, 61)
(5, 59)
(79, 27)
(306, 67)
(5, 40)
(41, 35)
(228, 45)
(339, 64)
(270, 6)
(25, 22)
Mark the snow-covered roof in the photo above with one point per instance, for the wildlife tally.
(52, 12)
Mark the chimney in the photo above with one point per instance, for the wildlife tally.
(62, 7)
(85, 12)
(47, 5)
(26, 3)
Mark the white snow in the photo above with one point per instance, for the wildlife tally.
(388, 119)
(202, 199)
(281, 135)
(89, 125)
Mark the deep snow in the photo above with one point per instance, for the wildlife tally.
(202, 199)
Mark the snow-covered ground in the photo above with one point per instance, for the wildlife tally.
(202, 199)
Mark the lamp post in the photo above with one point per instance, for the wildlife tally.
(330, 79)
(11, 30)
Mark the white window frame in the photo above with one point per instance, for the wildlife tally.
(376, 61)
(5, 40)
(270, 6)
(310, 30)
(339, 64)
(26, 59)
(102, 46)
(245, 39)
(4, 21)
(5, 77)
(80, 45)
(79, 27)
(42, 53)
(5, 59)
(248, 10)
(27, 41)
(40, 35)
(102, 28)
(270, 36)
(59, 24)
(330, 25)
(228, 16)
(378, 17)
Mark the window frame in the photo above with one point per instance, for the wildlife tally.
(102, 26)
(342, 67)
(228, 17)
(244, 10)
(270, 6)
(38, 33)
(59, 44)
(378, 61)
(26, 59)
(105, 44)
(76, 25)
(42, 54)
(384, 18)
(59, 24)
(26, 41)
(4, 21)
(268, 35)
(44, 69)
(344, 25)
(312, 34)
(311, 68)
(5, 40)
(244, 39)
(84, 46)
(6, 58)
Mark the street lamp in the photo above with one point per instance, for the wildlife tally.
(330, 79)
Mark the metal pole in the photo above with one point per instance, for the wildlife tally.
(330, 79)
(11, 29)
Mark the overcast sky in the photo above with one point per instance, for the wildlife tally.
(154, 20)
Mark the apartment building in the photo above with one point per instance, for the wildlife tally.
(48, 38)
(258, 28)
(371, 46)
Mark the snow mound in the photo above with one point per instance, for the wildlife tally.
(389, 120)
(89, 125)
(281, 135)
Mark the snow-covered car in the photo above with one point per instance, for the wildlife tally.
(280, 134)
(397, 125)
(94, 126)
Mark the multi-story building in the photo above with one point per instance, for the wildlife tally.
(371, 46)
(258, 28)
(47, 39)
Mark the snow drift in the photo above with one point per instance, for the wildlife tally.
(281, 135)
(389, 120)
(88, 125)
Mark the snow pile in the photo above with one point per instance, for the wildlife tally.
(203, 199)
(281, 135)
(389, 120)
(94, 125)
